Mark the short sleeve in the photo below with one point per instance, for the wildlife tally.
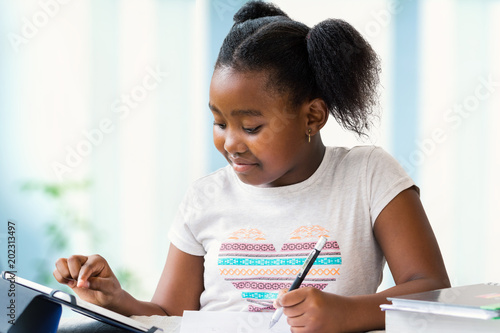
(386, 179)
(181, 233)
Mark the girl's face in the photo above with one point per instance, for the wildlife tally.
(256, 131)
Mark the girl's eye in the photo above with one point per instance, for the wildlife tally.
(220, 125)
(252, 130)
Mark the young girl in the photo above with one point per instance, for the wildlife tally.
(242, 233)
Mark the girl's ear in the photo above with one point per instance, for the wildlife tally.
(316, 115)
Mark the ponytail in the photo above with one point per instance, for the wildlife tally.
(331, 61)
(346, 72)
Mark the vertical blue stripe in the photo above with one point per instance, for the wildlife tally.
(406, 80)
(221, 14)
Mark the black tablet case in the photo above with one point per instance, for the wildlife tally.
(37, 312)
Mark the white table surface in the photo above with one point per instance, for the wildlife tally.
(82, 324)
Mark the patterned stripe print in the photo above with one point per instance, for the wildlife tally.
(247, 247)
(259, 295)
(270, 247)
(270, 272)
(273, 278)
(252, 308)
(308, 246)
(257, 285)
(258, 271)
(277, 262)
(277, 255)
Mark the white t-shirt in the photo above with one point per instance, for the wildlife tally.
(255, 240)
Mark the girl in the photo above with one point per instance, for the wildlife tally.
(243, 232)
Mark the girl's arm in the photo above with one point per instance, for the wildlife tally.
(179, 288)
(408, 243)
(181, 283)
(412, 252)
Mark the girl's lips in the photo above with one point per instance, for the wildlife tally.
(241, 165)
(242, 168)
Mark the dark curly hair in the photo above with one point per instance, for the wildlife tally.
(331, 61)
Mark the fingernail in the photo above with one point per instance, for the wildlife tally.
(71, 283)
(83, 284)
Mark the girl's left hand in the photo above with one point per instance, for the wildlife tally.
(311, 310)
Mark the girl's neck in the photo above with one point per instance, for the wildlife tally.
(310, 161)
(316, 155)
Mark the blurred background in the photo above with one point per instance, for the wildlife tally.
(104, 122)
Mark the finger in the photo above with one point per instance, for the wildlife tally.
(62, 279)
(293, 297)
(62, 267)
(105, 285)
(75, 263)
(296, 326)
(276, 302)
(93, 267)
(297, 321)
(294, 312)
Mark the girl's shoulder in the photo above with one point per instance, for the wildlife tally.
(364, 159)
(357, 153)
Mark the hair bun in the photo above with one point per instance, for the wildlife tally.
(256, 9)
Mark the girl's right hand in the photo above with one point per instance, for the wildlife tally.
(91, 279)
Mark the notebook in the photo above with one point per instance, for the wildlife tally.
(472, 308)
(480, 301)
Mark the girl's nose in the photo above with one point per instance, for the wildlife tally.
(234, 144)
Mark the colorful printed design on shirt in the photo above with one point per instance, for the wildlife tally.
(258, 271)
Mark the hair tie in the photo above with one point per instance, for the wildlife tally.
(308, 36)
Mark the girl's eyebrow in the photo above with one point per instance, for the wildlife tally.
(246, 112)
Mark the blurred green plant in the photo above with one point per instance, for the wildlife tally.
(70, 219)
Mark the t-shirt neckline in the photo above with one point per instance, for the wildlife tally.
(281, 190)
